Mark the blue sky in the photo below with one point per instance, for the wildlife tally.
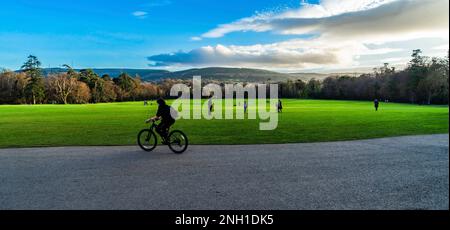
(179, 34)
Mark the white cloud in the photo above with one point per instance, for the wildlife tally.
(140, 14)
(196, 39)
(145, 7)
(296, 53)
(328, 8)
(396, 60)
(344, 30)
(442, 47)
(264, 21)
(375, 19)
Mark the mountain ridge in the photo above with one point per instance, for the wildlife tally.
(210, 73)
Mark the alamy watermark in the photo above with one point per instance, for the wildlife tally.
(257, 105)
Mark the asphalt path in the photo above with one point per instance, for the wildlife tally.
(402, 173)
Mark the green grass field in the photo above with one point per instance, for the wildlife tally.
(301, 121)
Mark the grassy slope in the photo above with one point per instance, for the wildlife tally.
(302, 121)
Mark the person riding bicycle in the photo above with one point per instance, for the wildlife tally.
(163, 114)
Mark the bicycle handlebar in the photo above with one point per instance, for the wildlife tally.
(151, 121)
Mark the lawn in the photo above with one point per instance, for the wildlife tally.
(301, 121)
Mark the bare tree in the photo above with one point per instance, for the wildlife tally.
(63, 85)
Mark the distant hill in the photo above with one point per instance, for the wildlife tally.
(308, 76)
(231, 74)
(145, 74)
(213, 73)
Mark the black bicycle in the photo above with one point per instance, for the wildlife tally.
(177, 140)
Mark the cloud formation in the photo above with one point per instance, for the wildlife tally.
(296, 53)
(143, 13)
(270, 21)
(343, 30)
(140, 14)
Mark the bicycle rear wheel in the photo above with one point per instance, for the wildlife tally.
(178, 142)
(147, 140)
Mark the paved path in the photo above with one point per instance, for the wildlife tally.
(391, 173)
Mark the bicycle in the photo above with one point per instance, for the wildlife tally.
(177, 140)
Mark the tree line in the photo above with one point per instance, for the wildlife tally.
(424, 81)
(29, 86)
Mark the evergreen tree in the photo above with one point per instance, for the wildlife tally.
(35, 88)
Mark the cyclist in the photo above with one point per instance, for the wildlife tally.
(163, 114)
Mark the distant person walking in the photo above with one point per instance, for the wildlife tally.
(377, 104)
(245, 106)
(210, 105)
(145, 103)
(280, 106)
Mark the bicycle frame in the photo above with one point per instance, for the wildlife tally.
(153, 127)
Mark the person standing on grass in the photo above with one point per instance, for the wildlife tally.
(280, 106)
(245, 106)
(210, 105)
(377, 104)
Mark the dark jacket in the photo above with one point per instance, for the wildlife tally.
(164, 113)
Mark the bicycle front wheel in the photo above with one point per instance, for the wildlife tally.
(147, 140)
(178, 142)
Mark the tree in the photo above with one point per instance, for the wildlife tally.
(7, 87)
(435, 84)
(35, 88)
(136, 90)
(417, 70)
(20, 88)
(109, 91)
(149, 91)
(81, 94)
(125, 82)
(125, 85)
(89, 77)
(330, 88)
(95, 83)
(313, 88)
(32, 64)
(63, 85)
(106, 77)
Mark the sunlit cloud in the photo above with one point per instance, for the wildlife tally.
(344, 33)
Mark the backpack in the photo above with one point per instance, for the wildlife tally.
(174, 113)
